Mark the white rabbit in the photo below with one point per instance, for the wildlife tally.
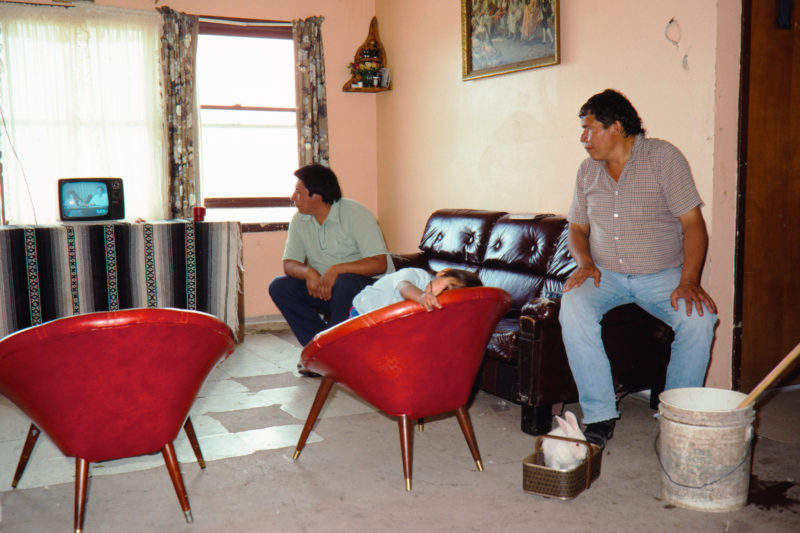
(561, 454)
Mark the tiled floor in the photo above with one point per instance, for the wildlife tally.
(349, 477)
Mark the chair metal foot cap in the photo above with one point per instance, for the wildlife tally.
(188, 516)
(296, 455)
(479, 464)
(408, 484)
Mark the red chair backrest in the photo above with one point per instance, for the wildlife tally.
(112, 384)
(405, 360)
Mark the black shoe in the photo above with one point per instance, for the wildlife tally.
(306, 372)
(600, 432)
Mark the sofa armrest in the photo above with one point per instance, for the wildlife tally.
(416, 260)
(545, 377)
(542, 309)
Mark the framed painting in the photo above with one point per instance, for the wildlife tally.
(500, 36)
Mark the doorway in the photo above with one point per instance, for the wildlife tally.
(767, 281)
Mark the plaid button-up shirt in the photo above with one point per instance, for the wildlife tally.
(634, 226)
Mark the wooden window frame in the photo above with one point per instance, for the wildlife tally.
(248, 28)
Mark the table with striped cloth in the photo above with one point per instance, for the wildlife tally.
(48, 272)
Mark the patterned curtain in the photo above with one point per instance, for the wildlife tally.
(178, 52)
(312, 107)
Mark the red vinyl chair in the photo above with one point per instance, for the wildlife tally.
(112, 384)
(407, 362)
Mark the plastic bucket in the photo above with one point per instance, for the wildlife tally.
(703, 447)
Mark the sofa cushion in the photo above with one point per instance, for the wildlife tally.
(457, 236)
(522, 286)
(530, 243)
(521, 242)
(527, 256)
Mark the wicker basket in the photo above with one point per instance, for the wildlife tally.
(561, 484)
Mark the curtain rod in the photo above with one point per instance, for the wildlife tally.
(245, 22)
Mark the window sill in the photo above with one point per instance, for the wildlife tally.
(261, 227)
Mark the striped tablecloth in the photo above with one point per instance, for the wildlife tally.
(48, 272)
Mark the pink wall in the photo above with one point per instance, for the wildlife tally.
(721, 260)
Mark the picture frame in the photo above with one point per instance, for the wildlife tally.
(502, 36)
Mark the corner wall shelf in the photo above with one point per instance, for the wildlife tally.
(369, 64)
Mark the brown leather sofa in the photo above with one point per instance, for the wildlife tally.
(525, 362)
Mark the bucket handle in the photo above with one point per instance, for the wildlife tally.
(657, 433)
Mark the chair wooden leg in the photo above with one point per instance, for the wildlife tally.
(30, 442)
(192, 436)
(168, 451)
(319, 400)
(421, 425)
(81, 484)
(469, 434)
(406, 447)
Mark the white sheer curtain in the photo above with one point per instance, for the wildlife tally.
(80, 95)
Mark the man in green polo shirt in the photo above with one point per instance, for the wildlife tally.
(334, 249)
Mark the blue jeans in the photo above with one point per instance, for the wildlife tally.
(302, 311)
(583, 307)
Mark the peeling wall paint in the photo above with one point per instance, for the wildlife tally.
(673, 31)
(674, 34)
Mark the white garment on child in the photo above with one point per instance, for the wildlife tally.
(384, 291)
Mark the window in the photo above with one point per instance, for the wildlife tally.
(248, 132)
(79, 98)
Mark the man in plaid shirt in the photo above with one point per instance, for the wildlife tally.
(637, 231)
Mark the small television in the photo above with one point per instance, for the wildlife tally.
(91, 199)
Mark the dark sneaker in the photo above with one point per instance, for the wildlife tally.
(600, 432)
(306, 372)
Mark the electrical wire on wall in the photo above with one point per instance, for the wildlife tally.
(22, 170)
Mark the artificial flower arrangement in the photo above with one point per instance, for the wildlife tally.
(364, 71)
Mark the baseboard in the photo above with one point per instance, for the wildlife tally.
(264, 323)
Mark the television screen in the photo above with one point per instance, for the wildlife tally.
(91, 199)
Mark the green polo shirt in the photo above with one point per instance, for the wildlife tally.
(349, 233)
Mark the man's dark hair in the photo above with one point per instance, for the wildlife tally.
(469, 279)
(610, 106)
(319, 179)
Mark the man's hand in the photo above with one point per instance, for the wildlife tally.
(695, 243)
(313, 283)
(694, 295)
(579, 276)
(321, 285)
(578, 243)
(324, 287)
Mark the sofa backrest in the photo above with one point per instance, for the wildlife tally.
(524, 254)
(457, 238)
(527, 256)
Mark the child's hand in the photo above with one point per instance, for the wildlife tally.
(429, 301)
